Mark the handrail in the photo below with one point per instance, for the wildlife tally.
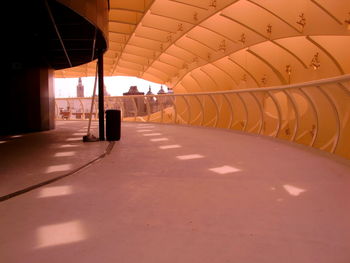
(246, 112)
(296, 111)
(261, 110)
(299, 112)
(231, 111)
(189, 109)
(217, 110)
(338, 125)
(279, 113)
(315, 115)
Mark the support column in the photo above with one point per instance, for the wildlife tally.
(101, 110)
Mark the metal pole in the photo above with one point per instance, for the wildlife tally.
(101, 110)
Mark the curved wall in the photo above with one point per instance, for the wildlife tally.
(95, 11)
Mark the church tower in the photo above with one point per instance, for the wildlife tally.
(80, 89)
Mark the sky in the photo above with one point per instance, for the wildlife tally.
(67, 87)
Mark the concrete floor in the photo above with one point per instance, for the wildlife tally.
(32, 158)
(184, 194)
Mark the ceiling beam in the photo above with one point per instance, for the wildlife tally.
(275, 15)
(127, 9)
(200, 42)
(245, 70)
(276, 71)
(327, 12)
(122, 22)
(188, 4)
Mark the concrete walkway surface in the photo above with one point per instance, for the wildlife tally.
(28, 159)
(171, 193)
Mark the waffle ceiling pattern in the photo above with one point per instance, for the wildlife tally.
(206, 45)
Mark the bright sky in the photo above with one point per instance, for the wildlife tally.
(67, 87)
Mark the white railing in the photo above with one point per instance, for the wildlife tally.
(314, 113)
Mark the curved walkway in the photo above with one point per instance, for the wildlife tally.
(185, 194)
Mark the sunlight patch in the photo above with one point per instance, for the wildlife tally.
(144, 130)
(159, 139)
(79, 133)
(173, 146)
(55, 191)
(145, 126)
(189, 157)
(152, 134)
(60, 234)
(67, 146)
(64, 154)
(226, 169)
(58, 168)
(73, 139)
(292, 190)
(16, 136)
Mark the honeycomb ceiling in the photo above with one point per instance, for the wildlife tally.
(207, 45)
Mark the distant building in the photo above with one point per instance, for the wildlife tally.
(133, 91)
(138, 105)
(80, 89)
(105, 92)
(134, 105)
(164, 102)
(161, 90)
(170, 91)
(149, 92)
(152, 101)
